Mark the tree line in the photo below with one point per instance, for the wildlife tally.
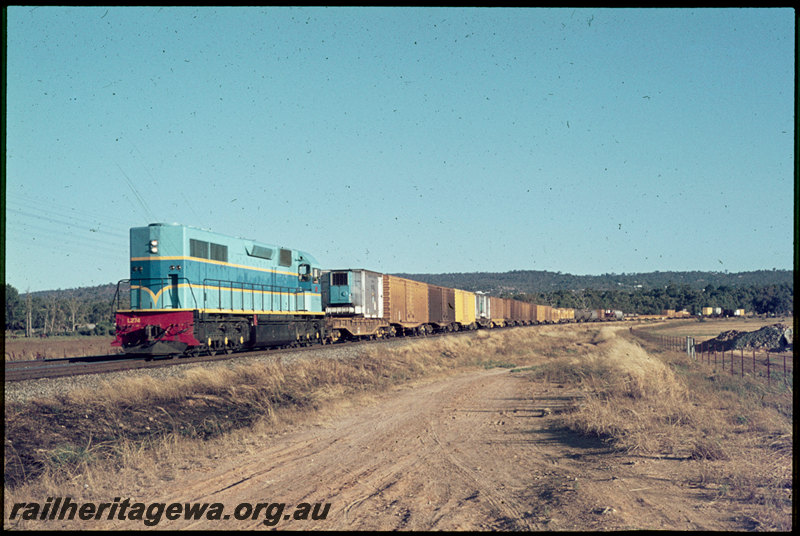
(62, 312)
(777, 299)
(539, 281)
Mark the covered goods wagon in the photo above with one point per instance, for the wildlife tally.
(465, 309)
(405, 302)
(500, 311)
(441, 306)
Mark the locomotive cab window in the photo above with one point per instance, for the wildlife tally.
(304, 272)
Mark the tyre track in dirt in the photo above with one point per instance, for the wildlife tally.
(451, 454)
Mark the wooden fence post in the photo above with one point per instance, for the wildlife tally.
(784, 367)
(769, 378)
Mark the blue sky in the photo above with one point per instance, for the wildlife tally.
(420, 140)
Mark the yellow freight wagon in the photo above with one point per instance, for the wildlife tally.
(465, 309)
(567, 315)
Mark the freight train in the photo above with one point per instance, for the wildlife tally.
(194, 291)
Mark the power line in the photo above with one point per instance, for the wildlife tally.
(66, 222)
(49, 206)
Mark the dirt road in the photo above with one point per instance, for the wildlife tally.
(475, 451)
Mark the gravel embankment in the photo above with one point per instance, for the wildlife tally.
(778, 337)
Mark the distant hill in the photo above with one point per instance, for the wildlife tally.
(100, 292)
(533, 282)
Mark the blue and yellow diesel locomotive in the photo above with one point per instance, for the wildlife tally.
(193, 290)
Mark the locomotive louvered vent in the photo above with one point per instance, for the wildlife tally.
(198, 248)
(206, 250)
(285, 258)
(219, 252)
(261, 252)
(339, 279)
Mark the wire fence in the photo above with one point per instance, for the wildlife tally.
(769, 365)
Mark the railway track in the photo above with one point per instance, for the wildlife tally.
(47, 368)
(73, 366)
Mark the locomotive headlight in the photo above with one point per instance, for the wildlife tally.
(154, 246)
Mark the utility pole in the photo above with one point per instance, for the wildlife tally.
(28, 330)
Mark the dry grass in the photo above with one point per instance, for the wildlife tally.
(737, 431)
(634, 401)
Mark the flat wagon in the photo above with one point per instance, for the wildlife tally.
(354, 304)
